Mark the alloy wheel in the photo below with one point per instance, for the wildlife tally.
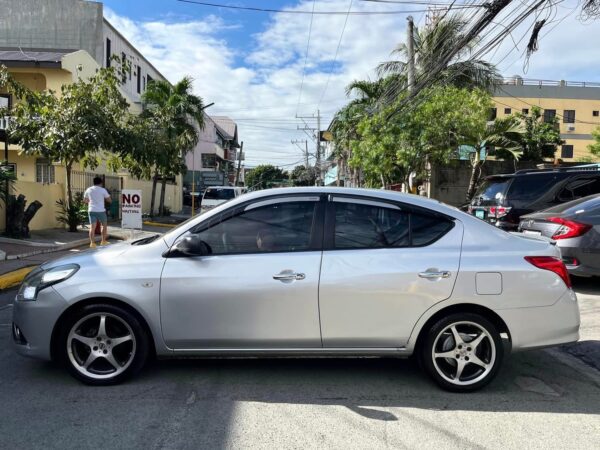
(463, 353)
(101, 345)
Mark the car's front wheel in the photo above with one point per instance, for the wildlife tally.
(462, 352)
(103, 344)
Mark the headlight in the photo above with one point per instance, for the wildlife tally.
(40, 279)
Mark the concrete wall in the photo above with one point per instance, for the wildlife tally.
(48, 195)
(449, 183)
(56, 24)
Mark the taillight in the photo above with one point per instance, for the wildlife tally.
(499, 211)
(568, 228)
(552, 264)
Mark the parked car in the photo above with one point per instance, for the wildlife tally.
(503, 199)
(217, 195)
(187, 199)
(304, 271)
(575, 226)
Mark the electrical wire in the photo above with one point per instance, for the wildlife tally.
(312, 16)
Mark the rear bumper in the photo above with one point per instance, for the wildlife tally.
(543, 326)
(589, 261)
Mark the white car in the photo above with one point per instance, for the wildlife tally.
(304, 271)
(217, 195)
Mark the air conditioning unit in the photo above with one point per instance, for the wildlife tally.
(570, 127)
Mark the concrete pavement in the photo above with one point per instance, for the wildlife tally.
(539, 400)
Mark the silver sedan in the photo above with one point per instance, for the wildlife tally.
(304, 271)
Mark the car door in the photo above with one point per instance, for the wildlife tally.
(384, 264)
(258, 288)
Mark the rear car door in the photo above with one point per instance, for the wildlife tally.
(384, 264)
(258, 288)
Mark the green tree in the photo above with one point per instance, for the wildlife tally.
(303, 176)
(265, 176)
(178, 113)
(540, 138)
(433, 41)
(73, 127)
(7, 178)
(595, 147)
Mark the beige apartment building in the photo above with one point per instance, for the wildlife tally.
(575, 104)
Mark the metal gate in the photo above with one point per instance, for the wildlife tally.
(80, 181)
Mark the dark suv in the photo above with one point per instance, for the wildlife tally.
(503, 199)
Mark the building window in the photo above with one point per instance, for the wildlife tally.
(569, 116)
(138, 74)
(5, 101)
(525, 111)
(493, 114)
(108, 55)
(507, 110)
(44, 171)
(566, 151)
(144, 80)
(123, 67)
(549, 115)
(209, 161)
(595, 113)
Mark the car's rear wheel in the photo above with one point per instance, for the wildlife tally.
(103, 344)
(462, 352)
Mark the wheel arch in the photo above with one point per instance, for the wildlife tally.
(488, 313)
(94, 301)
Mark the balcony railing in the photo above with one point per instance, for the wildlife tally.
(518, 81)
(4, 122)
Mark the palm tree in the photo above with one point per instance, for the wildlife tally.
(431, 44)
(180, 114)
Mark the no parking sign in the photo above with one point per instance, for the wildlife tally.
(131, 209)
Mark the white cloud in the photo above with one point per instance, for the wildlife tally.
(262, 93)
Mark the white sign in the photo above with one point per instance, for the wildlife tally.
(131, 209)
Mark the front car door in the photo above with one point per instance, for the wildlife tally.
(384, 264)
(259, 286)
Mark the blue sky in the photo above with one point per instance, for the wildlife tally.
(252, 65)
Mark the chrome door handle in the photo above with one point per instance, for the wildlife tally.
(288, 275)
(433, 274)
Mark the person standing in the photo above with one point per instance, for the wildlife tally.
(96, 197)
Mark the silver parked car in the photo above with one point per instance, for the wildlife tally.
(575, 226)
(304, 271)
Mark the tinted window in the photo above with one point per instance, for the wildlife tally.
(491, 192)
(368, 226)
(529, 188)
(280, 227)
(426, 229)
(219, 194)
(566, 151)
(580, 187)
(587, 203)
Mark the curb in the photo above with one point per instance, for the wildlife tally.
(15, 277)
(58, 248)
(160, 224)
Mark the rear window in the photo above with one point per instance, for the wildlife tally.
(526, 189)
(586, 204)
(492, 192)
(219, 194)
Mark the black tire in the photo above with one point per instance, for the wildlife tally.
(470, 379)
(132, 356)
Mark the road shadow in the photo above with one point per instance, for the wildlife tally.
(587, 351)
(588, 286)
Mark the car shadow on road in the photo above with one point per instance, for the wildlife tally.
(588, 286)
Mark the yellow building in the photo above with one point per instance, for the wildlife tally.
(575, 104)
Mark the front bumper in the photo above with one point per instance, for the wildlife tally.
(543, 326)
(35, 321)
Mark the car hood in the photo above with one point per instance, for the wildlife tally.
(91, 256)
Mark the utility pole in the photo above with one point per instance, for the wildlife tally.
(318, 148)
(410, 46)
(237, 173)
(304, 150)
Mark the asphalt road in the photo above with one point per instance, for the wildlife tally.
(541, 399)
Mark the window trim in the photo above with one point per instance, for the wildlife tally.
(316, 232)
(329, 229)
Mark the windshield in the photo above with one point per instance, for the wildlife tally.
(219, 194)
(491, 192)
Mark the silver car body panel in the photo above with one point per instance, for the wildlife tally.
(251, 313)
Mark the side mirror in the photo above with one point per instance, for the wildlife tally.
(191, 245)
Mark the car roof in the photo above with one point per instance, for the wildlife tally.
(564, 171)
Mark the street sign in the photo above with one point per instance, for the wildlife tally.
(131, 209)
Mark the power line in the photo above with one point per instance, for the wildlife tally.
(336, 54)
(312, 16)
(292, 11)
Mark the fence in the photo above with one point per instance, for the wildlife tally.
(80, 181)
